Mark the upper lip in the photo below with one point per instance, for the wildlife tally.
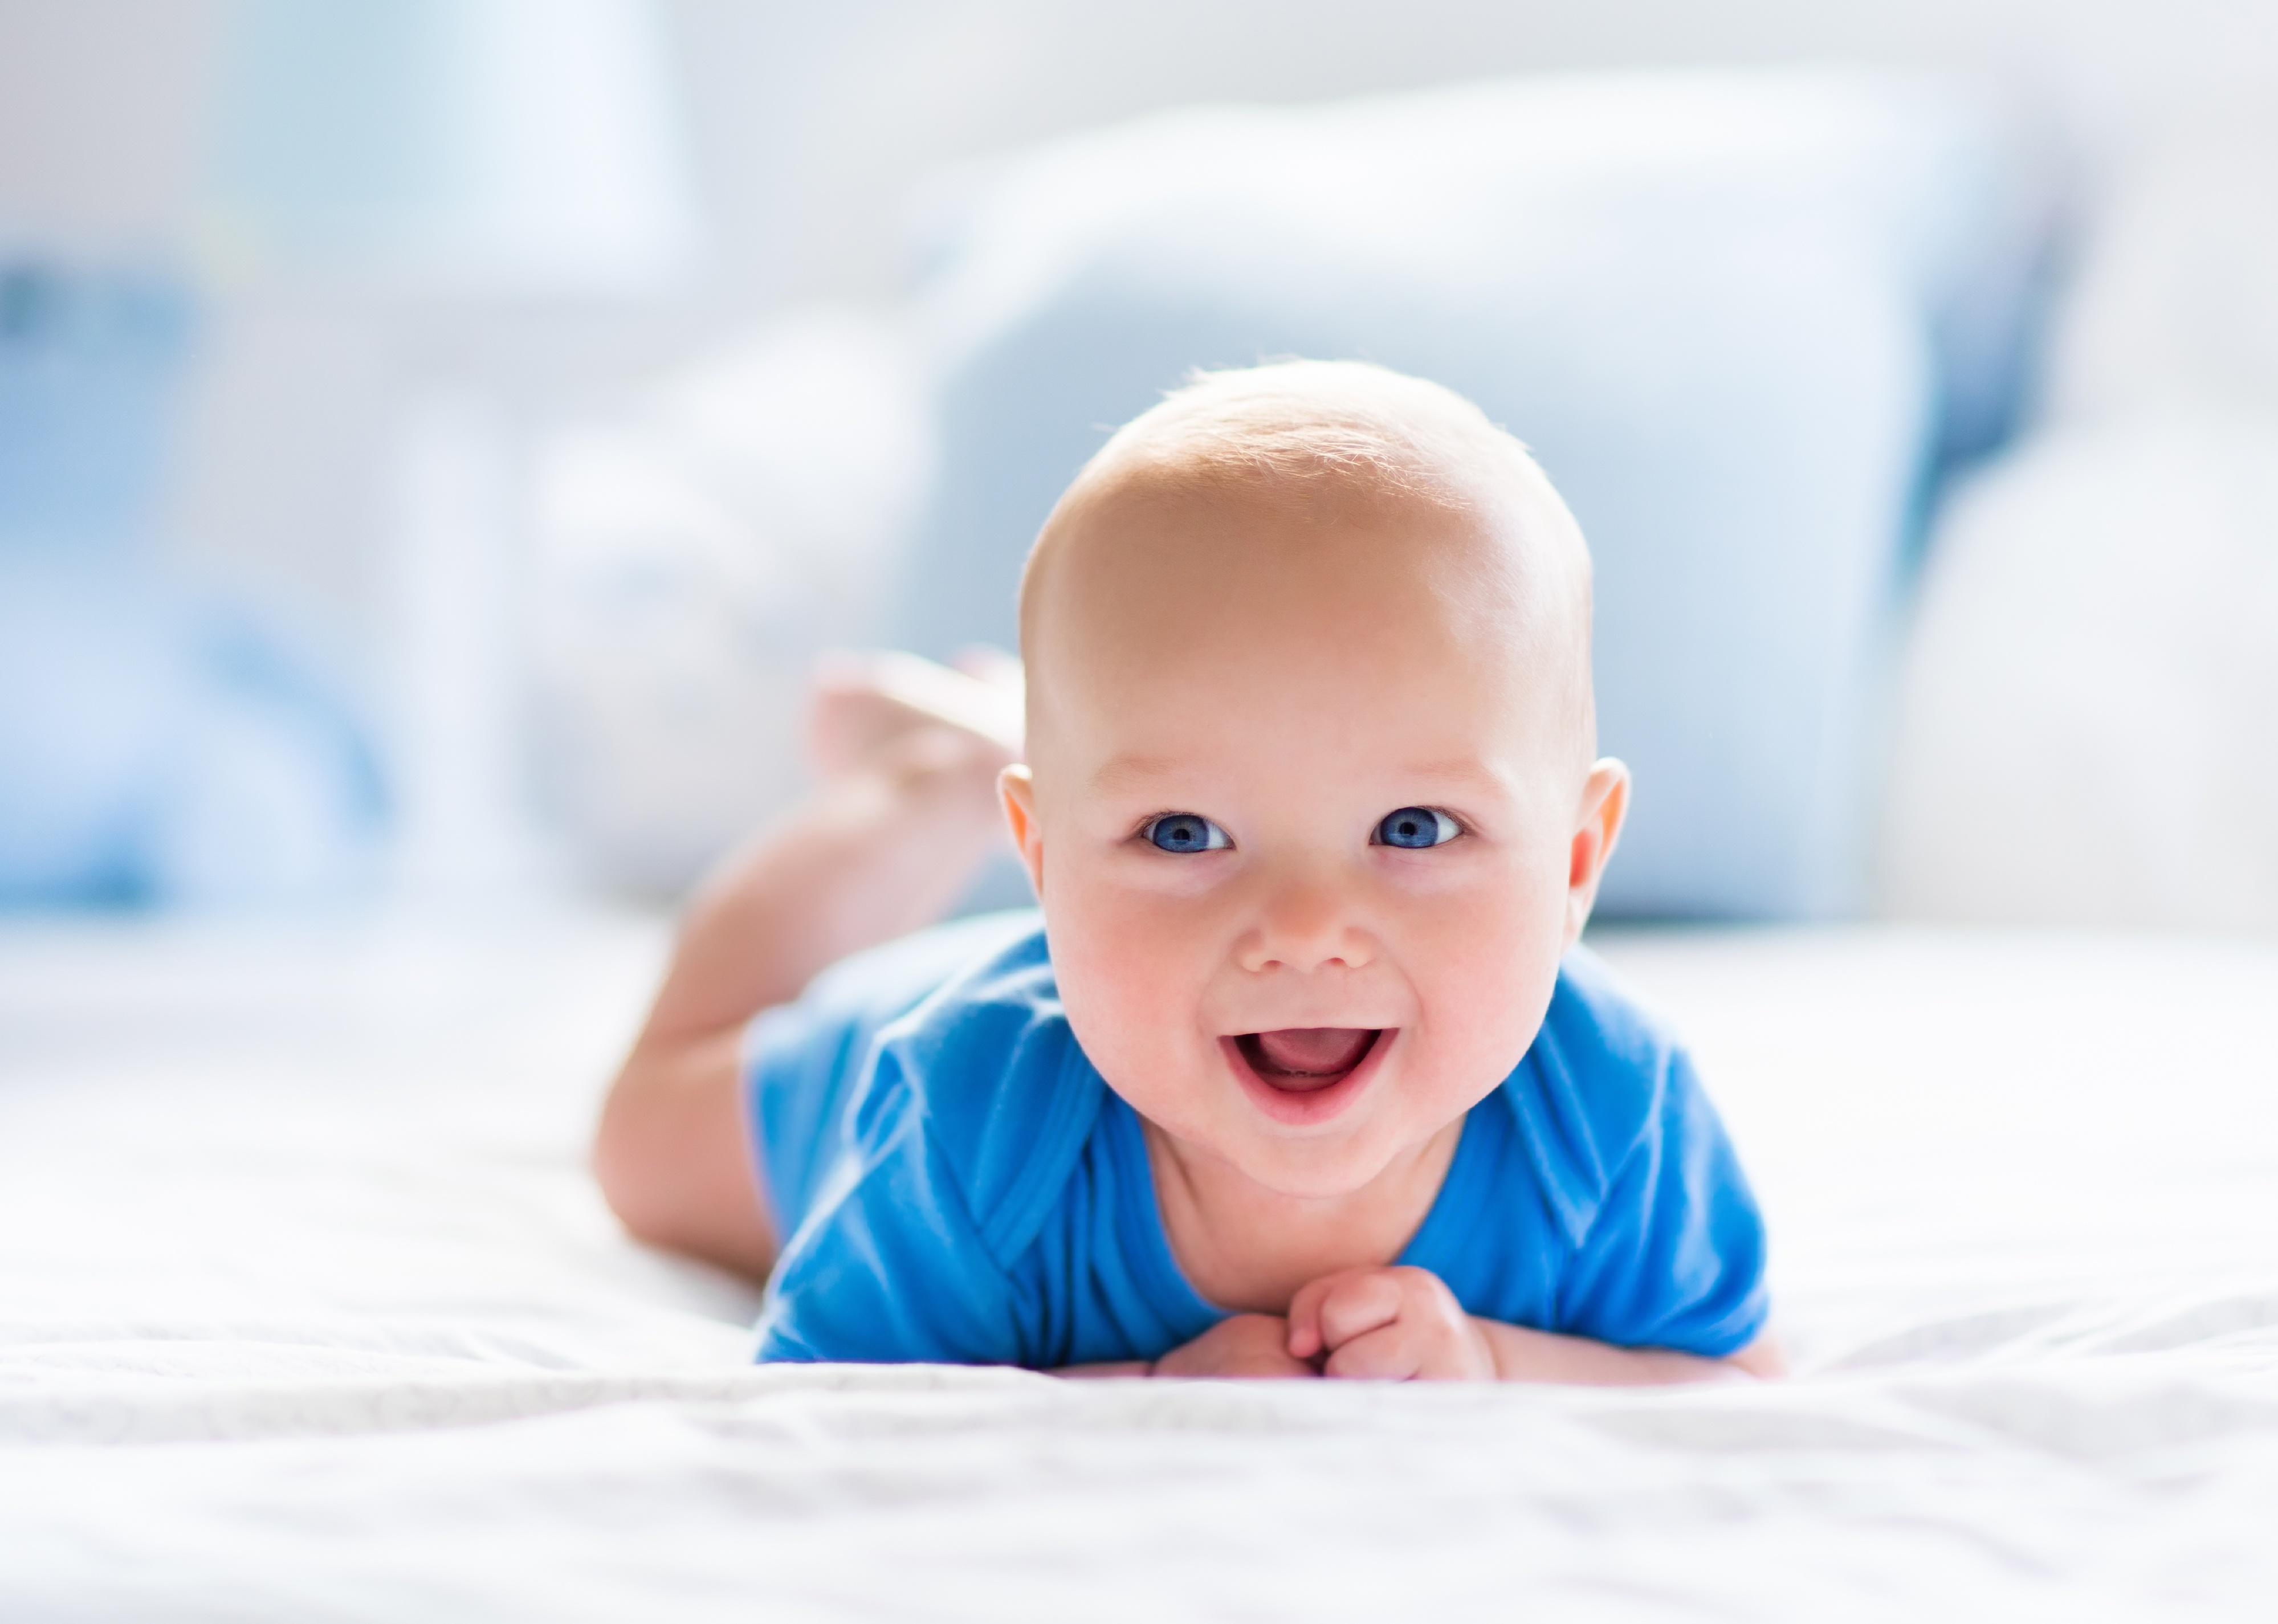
(1312, 1026)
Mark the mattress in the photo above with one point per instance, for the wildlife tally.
(307, 1311)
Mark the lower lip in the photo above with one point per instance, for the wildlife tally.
(1305, 1108)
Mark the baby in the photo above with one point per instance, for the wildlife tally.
(1300, 1071)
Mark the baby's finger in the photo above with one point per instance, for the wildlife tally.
(1305, 1317)
(1357, 1303)
(1388, 1353)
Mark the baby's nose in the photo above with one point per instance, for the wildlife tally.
(1304, 928)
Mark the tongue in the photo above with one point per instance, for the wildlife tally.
(1313, 1051)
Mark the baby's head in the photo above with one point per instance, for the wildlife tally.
(1310, 801)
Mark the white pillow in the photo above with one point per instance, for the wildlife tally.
(2086, 725)
(2089, 720)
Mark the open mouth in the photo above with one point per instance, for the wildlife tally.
(1307, 1059)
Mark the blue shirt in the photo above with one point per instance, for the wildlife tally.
(959, 1185)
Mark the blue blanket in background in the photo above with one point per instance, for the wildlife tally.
(1745, 319)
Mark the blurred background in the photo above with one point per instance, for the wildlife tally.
(437, 435)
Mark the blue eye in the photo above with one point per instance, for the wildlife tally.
(1185, 831)
(1412, 828)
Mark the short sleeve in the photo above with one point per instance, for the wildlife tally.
(804, 1060)
(1674, 1257)
(890, 1267)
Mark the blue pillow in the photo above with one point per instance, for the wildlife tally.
(1742, 319)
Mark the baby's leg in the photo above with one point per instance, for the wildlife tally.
(908, 753)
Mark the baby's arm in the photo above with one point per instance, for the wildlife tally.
(1403, 1323)
(1240, 1346)
(1522, 1354)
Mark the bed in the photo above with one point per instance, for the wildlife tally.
(308, 1312)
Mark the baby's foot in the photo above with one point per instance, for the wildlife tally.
(865, 702)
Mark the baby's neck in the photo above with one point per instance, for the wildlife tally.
(1248, 1248)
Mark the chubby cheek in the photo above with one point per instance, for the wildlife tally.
(1131, 972)
(1484, 973)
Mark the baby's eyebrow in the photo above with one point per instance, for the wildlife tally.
(1461, 770)
(1117, 771)
(1457, 772)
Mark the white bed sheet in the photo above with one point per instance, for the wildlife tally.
(308, 1312)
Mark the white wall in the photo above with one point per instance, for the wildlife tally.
(812, 123)
(813, 118)
(876, 93)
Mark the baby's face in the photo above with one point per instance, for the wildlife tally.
(1304, 820)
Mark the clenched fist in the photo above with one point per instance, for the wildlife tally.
(1245, 1345)
(1392, 1324)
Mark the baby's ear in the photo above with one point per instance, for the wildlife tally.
(1016, 791)
(1605, 803)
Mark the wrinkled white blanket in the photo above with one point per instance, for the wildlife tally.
(307, 1312)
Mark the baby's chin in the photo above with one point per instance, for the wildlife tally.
(1325, 1163)
(1321, 1170)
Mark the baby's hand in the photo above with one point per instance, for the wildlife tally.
(1396, 1325)
(1247, 1345)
